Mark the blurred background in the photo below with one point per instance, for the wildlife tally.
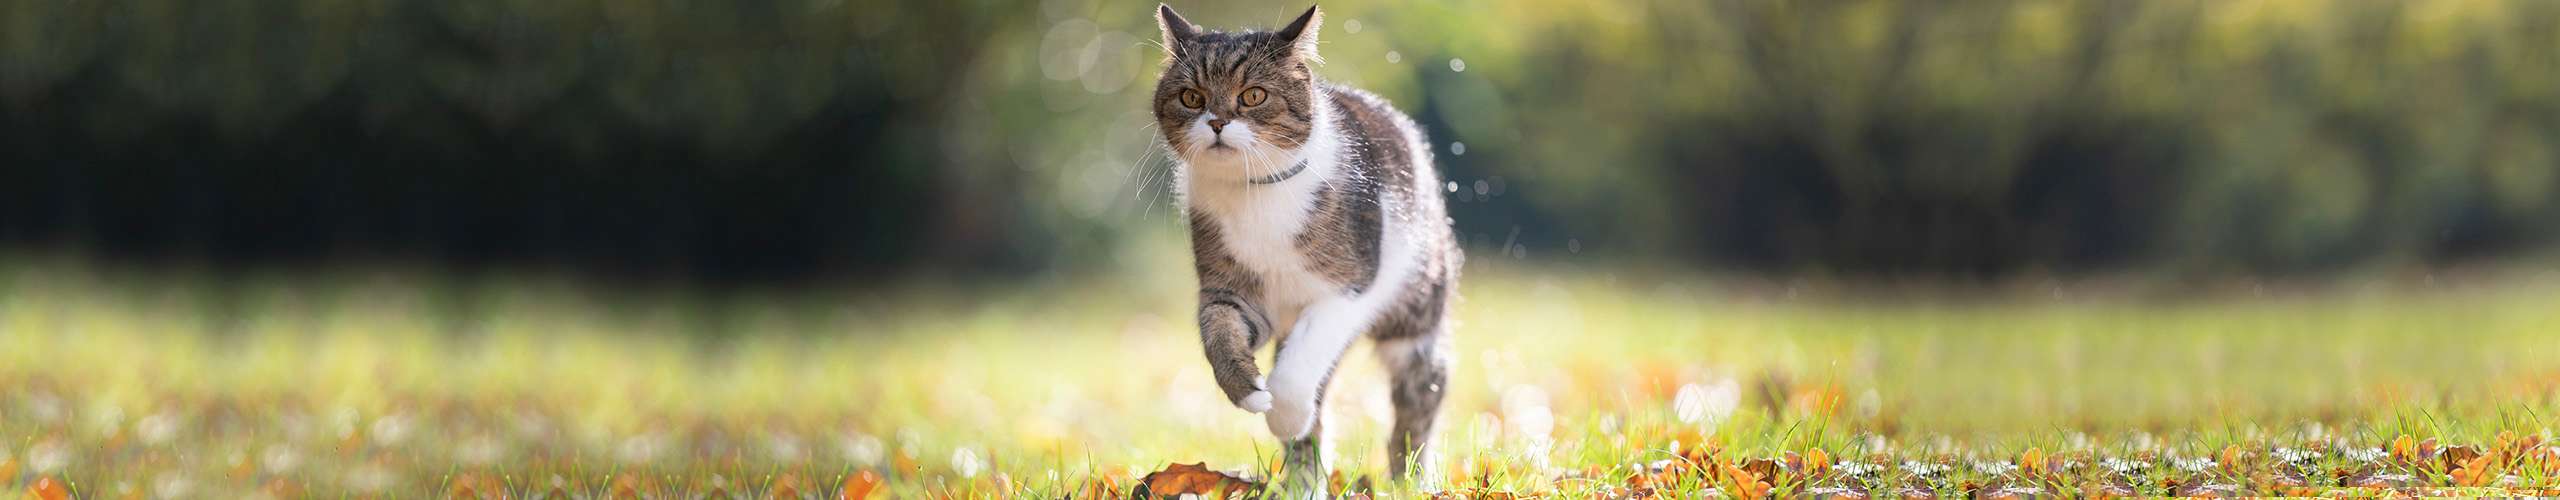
(448, 242)
(834, 140)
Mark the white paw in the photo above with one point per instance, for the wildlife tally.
(1258, 402)
(1291, 413)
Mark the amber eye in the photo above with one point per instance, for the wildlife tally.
(1251, 97)
(1191, 99)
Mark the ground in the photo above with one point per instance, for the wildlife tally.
(1571, 382)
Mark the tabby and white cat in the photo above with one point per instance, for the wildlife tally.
(1315, 220)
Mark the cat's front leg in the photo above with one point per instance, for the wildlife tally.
(1231, 329)
(1306, 361)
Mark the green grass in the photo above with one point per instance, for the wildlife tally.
(1568, 382)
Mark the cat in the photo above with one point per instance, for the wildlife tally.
(1316, 219)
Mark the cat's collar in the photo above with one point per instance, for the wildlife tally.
(1283, 176)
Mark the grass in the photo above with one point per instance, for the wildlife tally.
(1571, 382)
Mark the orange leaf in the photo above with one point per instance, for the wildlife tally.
(48, 488)
(861, 485)
(2032, 460)
(2475, 472)
(2404, 449)
(1107, 486)
(1763, 469)
(1197, 479)
(1816, 461)
(1741, 482)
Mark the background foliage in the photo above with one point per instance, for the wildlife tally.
(806, 137)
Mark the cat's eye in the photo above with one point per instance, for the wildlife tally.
(1191, 99)
(1252, 96)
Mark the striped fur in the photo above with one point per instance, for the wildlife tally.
(1357, 244)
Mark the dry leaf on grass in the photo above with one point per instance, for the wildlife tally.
(861, 485)
(48, 488)
(1196, 479)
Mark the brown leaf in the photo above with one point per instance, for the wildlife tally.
(2232, 455)
(2475, 472)
(1764, 469)
(2454, 457)
(1196, 479)
(1816, 462)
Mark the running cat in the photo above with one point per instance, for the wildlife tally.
(1315, 221)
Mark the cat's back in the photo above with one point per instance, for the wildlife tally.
(1380, 134)
(1386, 146)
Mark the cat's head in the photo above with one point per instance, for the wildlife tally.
(1237, 103)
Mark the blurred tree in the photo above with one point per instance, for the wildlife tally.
(794, 138)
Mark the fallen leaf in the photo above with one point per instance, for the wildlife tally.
(1741, 482)
(48, 488)
(2454, 457)
(1196, 479)
(861, 485)
(1764, 469)
(1105, 486)
(2475, 472)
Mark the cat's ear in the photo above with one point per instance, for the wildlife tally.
(1301, 33)
(1176, 29)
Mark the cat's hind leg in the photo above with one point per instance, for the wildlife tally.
(1417, 365)
(1299, 379)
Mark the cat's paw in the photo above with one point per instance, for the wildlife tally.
(1290, 417)
(1258, 402)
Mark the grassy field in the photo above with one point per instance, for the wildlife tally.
(1571, 382)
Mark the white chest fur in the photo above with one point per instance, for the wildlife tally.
(1260, 224)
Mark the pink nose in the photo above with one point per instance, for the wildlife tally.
(1218, 125)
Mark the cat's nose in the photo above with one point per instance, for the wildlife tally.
(1218, 125)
